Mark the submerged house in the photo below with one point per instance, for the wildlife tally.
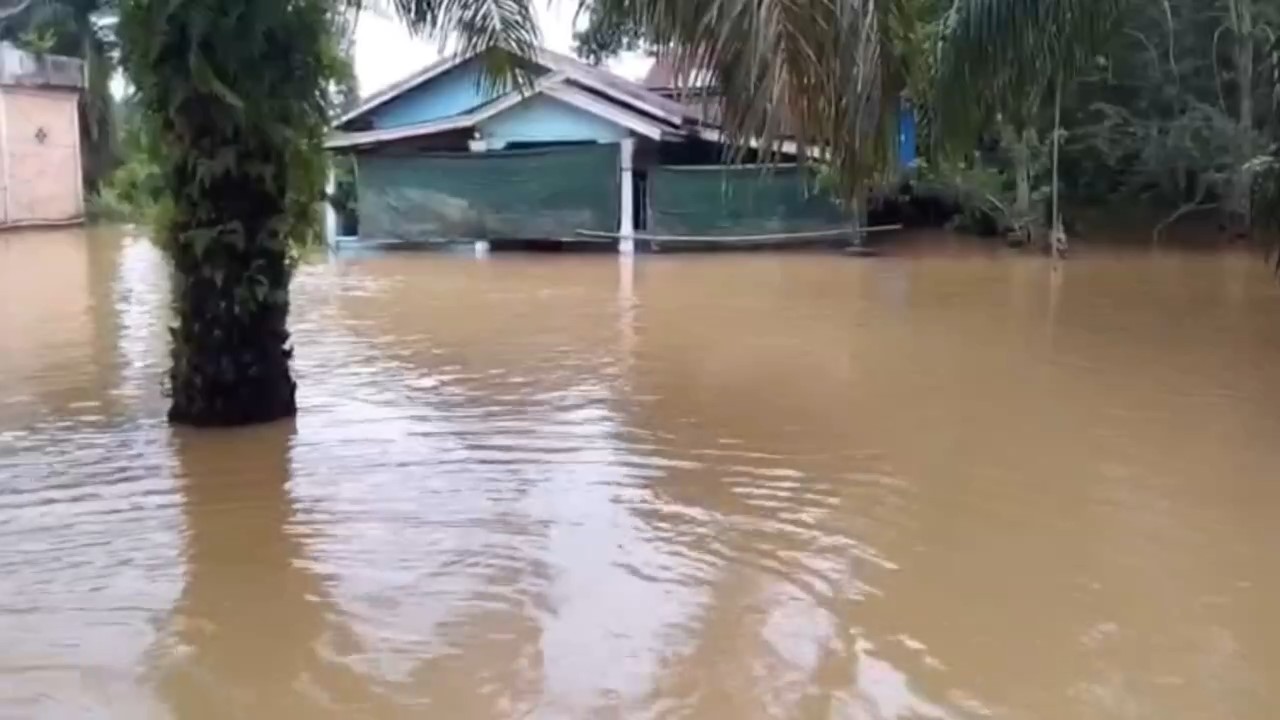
(580, 155)
(40, 164)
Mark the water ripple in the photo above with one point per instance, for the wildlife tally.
(567, 487)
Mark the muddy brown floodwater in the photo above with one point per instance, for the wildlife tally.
(951, 485)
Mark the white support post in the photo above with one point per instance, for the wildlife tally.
(627, 206)
(330, 215)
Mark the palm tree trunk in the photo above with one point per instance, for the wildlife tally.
(230, 354)
(1019, 144)
(244, 170)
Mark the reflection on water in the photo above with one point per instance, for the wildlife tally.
(253, 633)
(956, 485)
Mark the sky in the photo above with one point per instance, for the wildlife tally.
(385, 51)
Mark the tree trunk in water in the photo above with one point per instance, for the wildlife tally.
(230, 347)
(1057, 236)
(237, 96)
(1023, 218)
(1019, 144)
(1022, 178)
(1242, 186)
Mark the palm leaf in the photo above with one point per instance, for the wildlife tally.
(825, 74)
(1002, 55)
(502, 31)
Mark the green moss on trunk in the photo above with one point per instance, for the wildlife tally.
(230, 344)
(236, 94)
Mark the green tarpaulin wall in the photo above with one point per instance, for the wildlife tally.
(518, 194)
(727, 201)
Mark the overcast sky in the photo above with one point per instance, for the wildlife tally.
(385, 52)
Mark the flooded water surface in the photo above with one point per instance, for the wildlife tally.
(957, 485)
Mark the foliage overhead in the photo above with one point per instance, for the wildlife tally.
(501, 30)
(825, 73)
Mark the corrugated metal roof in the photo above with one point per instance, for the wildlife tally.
(644, 98)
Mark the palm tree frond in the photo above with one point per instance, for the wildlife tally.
(1001, 55)
(501, 30)
(825, 74)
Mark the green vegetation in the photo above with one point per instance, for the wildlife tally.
(1022, 53)
(1182, 108)
(133, 192)
(1168, 104)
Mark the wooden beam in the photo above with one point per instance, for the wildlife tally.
(767, 237)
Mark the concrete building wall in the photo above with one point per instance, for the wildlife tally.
(40, 176)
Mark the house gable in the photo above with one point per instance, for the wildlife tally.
(542, 118)
(458, 90)
(451, 88)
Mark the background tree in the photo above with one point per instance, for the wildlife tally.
(1000, 57)
(1179, 113)
(608, 32)
(1267, 165)
(1168, 106)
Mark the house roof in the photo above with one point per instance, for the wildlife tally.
(400, 87)
(661, 75)
(663, 78)
(598, 80)
(557, 85)
(619, 87)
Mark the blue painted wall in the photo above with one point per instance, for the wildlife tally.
(452, 93)
(545, 119)
(906, 133)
